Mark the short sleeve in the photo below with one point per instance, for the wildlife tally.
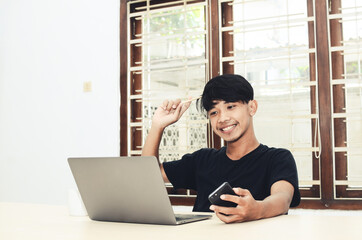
(181, 173)
(284, 168)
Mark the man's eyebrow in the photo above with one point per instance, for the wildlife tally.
(225, 102)
(212, 107)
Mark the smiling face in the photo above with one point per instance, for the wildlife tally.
(232, 121)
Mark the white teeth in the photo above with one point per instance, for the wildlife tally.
(228, 128)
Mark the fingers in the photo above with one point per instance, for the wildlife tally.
(231, 198)
(232, 214)
(227, 218)
(170, 105)
(224, 210)
(247, 207)
(242, 192)
(175, 106)
(226, 214)
(236, 199)
(185, 106)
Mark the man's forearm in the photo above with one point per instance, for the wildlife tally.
(279, 201)
(152, 142)
(274, 205)
(152, 145)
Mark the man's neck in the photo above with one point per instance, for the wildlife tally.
(238, 149)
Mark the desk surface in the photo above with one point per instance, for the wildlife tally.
(31, 221)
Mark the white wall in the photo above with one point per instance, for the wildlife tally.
(48, 49)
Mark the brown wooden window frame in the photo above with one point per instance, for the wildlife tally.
(323, 169)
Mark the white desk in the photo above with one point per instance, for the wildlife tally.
(43, 222)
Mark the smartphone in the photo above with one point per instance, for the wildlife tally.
(224, 188)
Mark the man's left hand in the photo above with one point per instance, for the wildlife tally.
(247, 207)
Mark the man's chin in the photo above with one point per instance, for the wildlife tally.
(231, 140)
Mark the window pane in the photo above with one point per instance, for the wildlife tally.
(174, 65)
(349, 48)
(272, 51)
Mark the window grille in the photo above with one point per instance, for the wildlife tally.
(171, 38)
(346, 47)
(296, 54)
(273, 50)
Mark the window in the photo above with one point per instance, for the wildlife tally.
(169, 61)
(308, 85)
(272, 49)
(346, 52)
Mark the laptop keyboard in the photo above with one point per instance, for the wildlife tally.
(180, 217)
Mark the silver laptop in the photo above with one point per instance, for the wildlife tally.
(126, 189)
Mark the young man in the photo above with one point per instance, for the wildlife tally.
(264, 179)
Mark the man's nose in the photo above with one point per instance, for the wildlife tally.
(223, 117)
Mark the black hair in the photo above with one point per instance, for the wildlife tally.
(228, 88)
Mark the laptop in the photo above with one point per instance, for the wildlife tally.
(126, 189)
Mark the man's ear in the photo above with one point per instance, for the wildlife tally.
(253, 107)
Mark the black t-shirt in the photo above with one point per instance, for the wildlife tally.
(206, 169)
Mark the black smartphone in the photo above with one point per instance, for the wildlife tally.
(224, 188)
